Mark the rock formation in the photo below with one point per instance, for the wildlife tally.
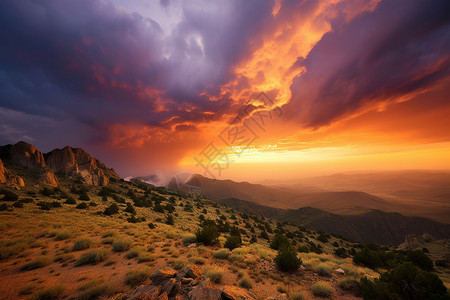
(8, 178)
(189, 283)
(77, 162)
(27, 156)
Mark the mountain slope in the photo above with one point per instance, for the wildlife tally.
(372, 227)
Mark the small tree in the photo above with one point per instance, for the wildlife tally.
(287, 259)
(279, 241)
(208, 234)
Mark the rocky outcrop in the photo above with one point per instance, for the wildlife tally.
(189, 283)
(77, 162)
(8, 178)
(27, 156)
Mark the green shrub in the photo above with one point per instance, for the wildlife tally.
(91, 291)
(303, 249)
(208, 234)
(245, 283)
(137, 276)
(37, 263)
(322, 289)
(405, 282)
(133, 253)
(279, 241)
(232, 242)
(122, 245)
(287, 260)
(49, 293)
(92, 257)
(170, 219)
(349, 284)
(82, 244)
(420, 259)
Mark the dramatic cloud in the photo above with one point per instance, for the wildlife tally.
(157, 79)
(387, 56)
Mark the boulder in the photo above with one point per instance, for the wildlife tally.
(279, 297)
(339, 271)
(48, 177)
(171, 287)
(191, 272)
(205, 293)
(162, 275)
(146, 292)
(235, 293)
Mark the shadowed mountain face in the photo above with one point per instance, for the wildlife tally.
(25, 159)
(372, 227)
(345, 199)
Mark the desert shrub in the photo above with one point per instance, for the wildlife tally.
(106, 191)
(3, 207)
(405, 282)
(9, 196)
(197, 260)
(245, 283)
(130, 209)
(323, 237)
(232, 242)
(137, 276)
(133, 253)
(121, 245)
(37, 263)
(341, 252)
(349, 284)
(44, 205)
(169, 219)
(178, 264)
(189, 239)
(112, 209)
(420, 259)
(222, 254)
(82, 244)
(84, 197)
(208, 234)
(146, 257)
(109, 233)
(214, 273)
(49, 293)
(92, 203)
(369, 258)
(303, 249)
(322, 289)
(297, 295)
(279, 241)
(151, 225)
(70, 200)
(287, 260)
(46, 192)
(18, 204)
(63, 235)
(92, 290)
(324, 269)
(92, 257)
(82, 205)
(441, 263)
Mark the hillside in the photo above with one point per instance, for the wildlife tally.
(372, 227)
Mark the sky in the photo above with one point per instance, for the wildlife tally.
(247, 90)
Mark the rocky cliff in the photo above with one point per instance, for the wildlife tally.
(8, 178)
(30, 158)
(77, 162)
(68, 161)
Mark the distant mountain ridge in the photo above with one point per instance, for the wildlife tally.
(372, 227)
(24, 158)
